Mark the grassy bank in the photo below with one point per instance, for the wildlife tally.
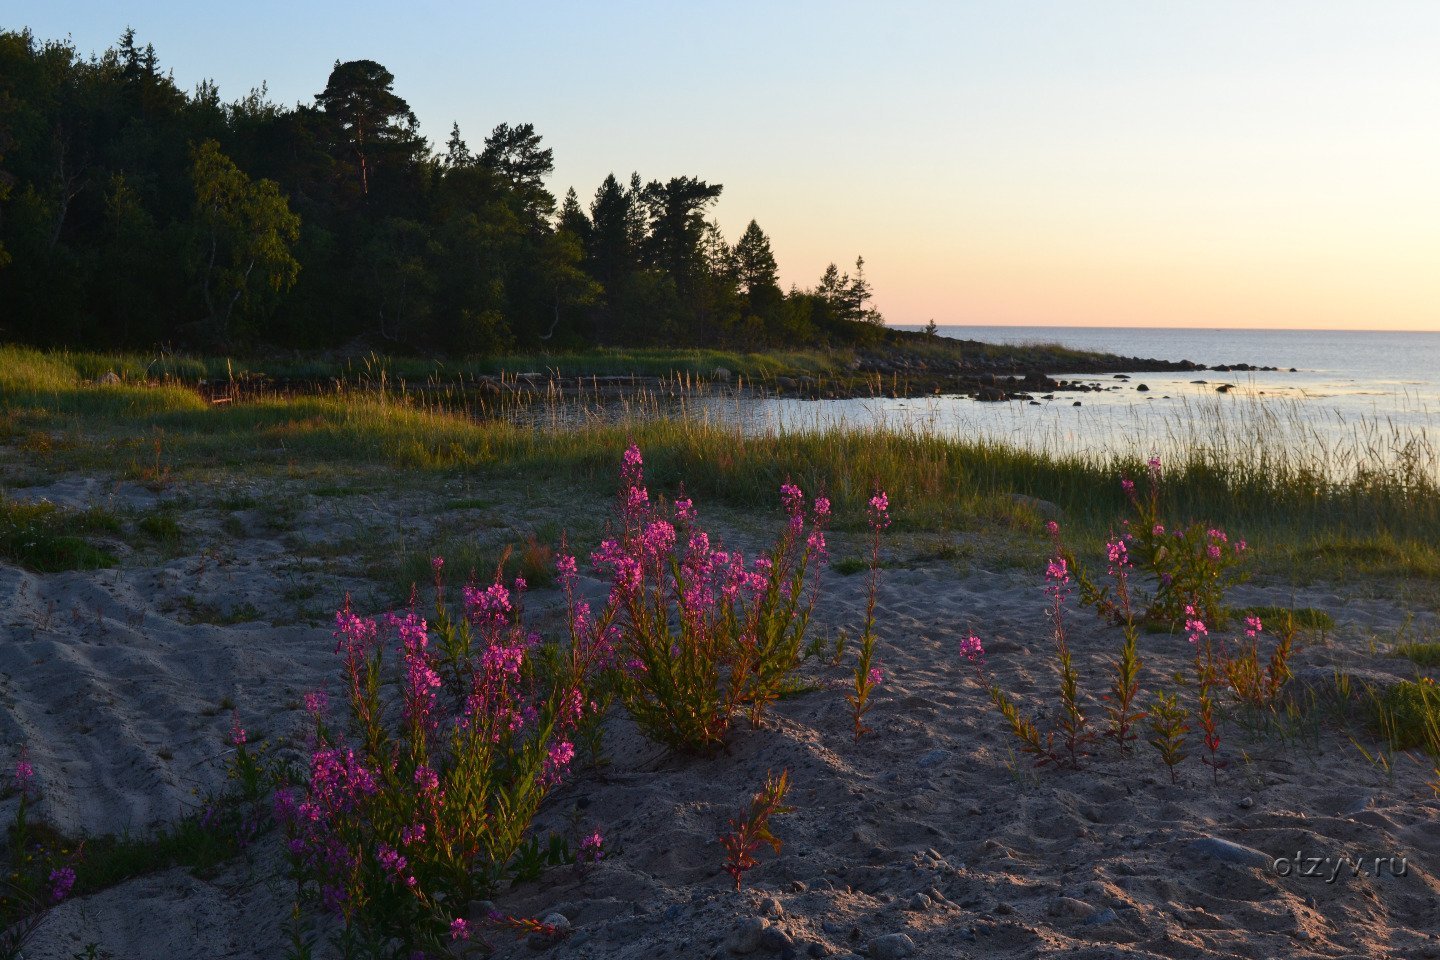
(1372, 520)
(373, 368)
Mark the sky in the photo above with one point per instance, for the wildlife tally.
(1216, 164)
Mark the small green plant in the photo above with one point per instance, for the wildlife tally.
(1168, 726)
(1256, 681)
(39, 872)
(1039, 746)
(47, 538)
(1121, 710)
(751, 830)
(867, 674)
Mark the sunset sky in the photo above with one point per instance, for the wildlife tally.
(1078, 163)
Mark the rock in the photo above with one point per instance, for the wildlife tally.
(1041, 508)
(1245, 803)
(920, 903)
(1099, 917)
(745, 937)
(1141, 388)
(1004, 909)
(1069, 907)
(892, 946)
(797, 886)
(816, 949)
(1075, 404)
(1223, 388)
(774, 940)
(932, 757)
(770, 907)
(1228, 852)
(559, 921)
(722, 374)
(109, 379)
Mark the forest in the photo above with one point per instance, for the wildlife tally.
(135, 214)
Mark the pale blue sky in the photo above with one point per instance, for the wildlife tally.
(1214, 164)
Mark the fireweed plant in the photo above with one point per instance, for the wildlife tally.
(1075, 734)
(703, 634)
(419, 796)
(868, 676)
(1189, 565)
(37, 875)
(751, 830)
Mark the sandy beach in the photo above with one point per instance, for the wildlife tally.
(934, 827)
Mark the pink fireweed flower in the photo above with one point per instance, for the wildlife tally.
(1213, 551)
(822, 507)
(353, 634)
(437, 564)
(1253, 626)
(565, 568)
(1158, 530)
(1194, 626)
(658, 539)
(394, 864)
(591, 848)
(972, 649)
(879, 510)
(632, 458)
(488, 606)
(412, 834)
(1240, 546)
(521, 585)
(557, 761)
(1052, 528)
(24, 773)
(816, 543)
(1117, 554)
(792, 498)
(238, 736)
(1153, 465)
(685, 509)
(426, 779)
(62, 881)
(459, 929)
(1128, 486)
(1057, 571)
(875, 677)
(316, 702)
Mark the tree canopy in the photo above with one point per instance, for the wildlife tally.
(134, 213)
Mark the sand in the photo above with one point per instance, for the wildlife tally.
(933, 827)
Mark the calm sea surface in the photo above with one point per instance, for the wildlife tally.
(1355, 397)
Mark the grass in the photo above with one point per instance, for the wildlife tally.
(1407, 715)
(47, 538)
(1425, 654)
(1307, 618)
(1328, 511)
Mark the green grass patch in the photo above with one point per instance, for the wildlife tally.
(1425, 654)
(47, 538)
(160, 526)
(1407, 715)
(1307, 618)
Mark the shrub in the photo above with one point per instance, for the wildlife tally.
(420, 798)
(702, 632)
(1190, 565)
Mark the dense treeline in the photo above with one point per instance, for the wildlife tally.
(133, 213)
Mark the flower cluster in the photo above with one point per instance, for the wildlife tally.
(702, 631)
(428, 803)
